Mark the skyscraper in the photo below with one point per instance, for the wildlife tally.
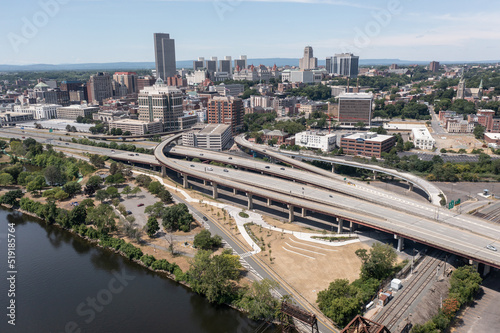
(129, 79)
(346, 64)
(226, 110)
(308, 62)
(211, 65)
(199, 64)
(225, 65)
(99, 87)
(164, 56)
(434, 66)
(241, 62)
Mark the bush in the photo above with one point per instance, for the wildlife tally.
(148, 260)
(131, 251)
(244, 215)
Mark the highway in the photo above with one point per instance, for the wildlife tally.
(432, 191)
(461, 234)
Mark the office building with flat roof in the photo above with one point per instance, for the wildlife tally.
(127, 79)
(422, 139)
(316, 140)
(212, 136)
(308, 62)
(137, 127)
(355, 108)
(241, 63)
(74, 111)
(99, 87)
(367, 144)
(226, 110)
(164, 56)
(344, 64)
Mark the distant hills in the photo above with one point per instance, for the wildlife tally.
(280, 62)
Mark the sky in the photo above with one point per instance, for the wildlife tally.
(97, 31)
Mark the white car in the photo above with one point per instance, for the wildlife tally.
(491, 247)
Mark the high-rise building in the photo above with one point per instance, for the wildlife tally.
(128, 79)
(226, 110)
(199, 64)
(99, 87)
(241, 63)
(329, 65)
(211, 65)
(434, 66)
(145, 81)
(308, 62)
(164, 56)
(161, 103)
(355, 108)
(346, 64)
(225, 65)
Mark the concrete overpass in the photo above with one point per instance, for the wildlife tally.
(432, 191)
(455, 233)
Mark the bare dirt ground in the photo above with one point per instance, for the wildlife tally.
(457, 141)
(308, 267)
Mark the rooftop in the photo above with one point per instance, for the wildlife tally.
(356, 96)
(368, 137)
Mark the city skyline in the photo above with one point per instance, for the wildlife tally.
(62, 31)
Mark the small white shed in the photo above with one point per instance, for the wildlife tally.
(396, 284)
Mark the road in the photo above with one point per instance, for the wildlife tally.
(456, 233)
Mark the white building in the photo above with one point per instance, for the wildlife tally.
(197, 77)
(316, 140)
(230, 89)
(422, 138)
(74, 111)
(137, 127)
(303, 76)
(12, 118)
(212, 136)
(39, 111)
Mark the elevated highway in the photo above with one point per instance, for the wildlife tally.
(455, 233)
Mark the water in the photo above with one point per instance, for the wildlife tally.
(64, 284)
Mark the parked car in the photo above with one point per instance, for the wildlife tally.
(140, 205)
(282, 168)
(226, 170)
(268, 167)
(210, 169)
(192, 165)
(230, 158)
(129, 212)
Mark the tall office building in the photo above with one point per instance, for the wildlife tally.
(308, 62)
(226, 110)
(128, 79)
(434, 66)
(225, 65)
(164, 56)
(161, 103)
(99, 87)
(346, 64)
(211, 65)
(329, 65)
(199, 64)
(241, 63)
(355, 108)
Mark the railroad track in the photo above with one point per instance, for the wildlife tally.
(400, 304)
(493, 215)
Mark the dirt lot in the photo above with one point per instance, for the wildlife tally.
(457, 141)
(308, 267)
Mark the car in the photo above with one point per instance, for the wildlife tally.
(112, 150)
(491, 247)
(140, 205)
(23, 137)
(263, 151)
(201, 154)
(226, 170)
(192, 165)
(136, 154)
(230, 158)
(205, 218)
(268, 167)
(210, 169)
(331, 196)
(130, 154)
(282, 168)
(67, 144)
(129, 212)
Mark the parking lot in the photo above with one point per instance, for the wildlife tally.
(131, 203)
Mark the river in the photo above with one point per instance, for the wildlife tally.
(64, 284)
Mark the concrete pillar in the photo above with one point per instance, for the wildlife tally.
(215, 194)
(235, 191)
(269, 202)
(474, 264)
(333, 168)
(410, 187)
(179, 175)
(401, 244)
(341, 225)
(185, 181)
(163, 171)
(250, 201)
(486, 270)
(291, 216)
(374, 175)
(204, 182)
(304, 212)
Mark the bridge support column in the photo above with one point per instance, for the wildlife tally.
(163, 171)
(474, 264)
(250, 201)
(204, 182)
(291, 216)
(486, 270)
(215, 193)
(374, 175)
(185, 181)
(269, 202)
(410, 187)
(235, 191)
(341, 225)
(333, 168)
(401, 244)
(304, 212)
(352, 226)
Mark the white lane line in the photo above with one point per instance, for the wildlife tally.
(300, 254)
(299, 248)
(317, 247)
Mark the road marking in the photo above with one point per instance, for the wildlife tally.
(312, 246)
(299, 248)
(300, 254)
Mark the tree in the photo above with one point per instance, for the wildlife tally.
(36, 185)
(113, 168)
(6, 179)
(61, 195)
(127, 190)
(93, 184)
(102, 217)
(164, 195)
(152, 226)
(379, 263)
(340, 302)
(177, 217)
(258, 300)
(112, 192)
(143, 180)
(101, 195)
(78, 215)
(72, 188)
(135, 191)
(205, 241)
(479, 131)
(53, 175)
(155, 187)
(97, 160)
(10, 198)
(214, 276)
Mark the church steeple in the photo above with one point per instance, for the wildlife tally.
(481, 84)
